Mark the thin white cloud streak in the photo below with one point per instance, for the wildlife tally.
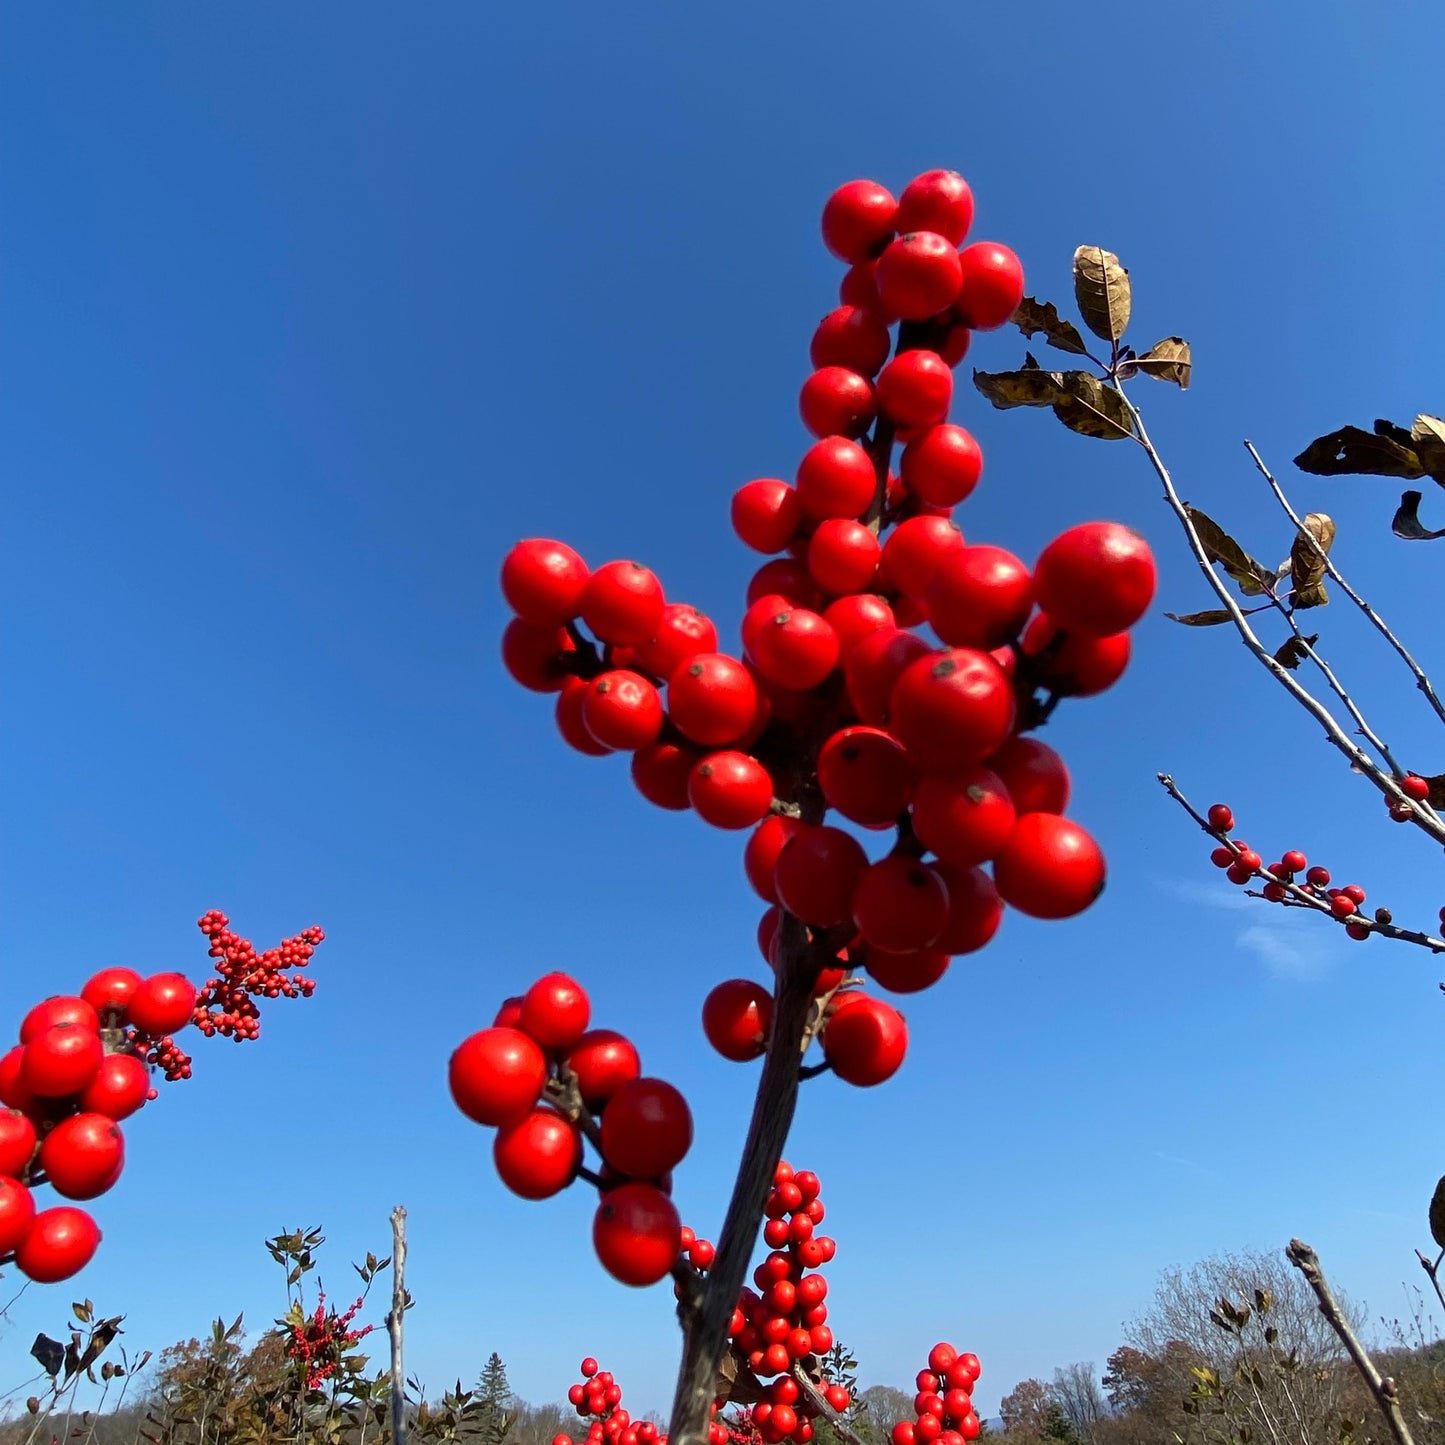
(1297, 954)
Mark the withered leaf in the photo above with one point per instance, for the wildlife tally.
(1437, 791)
(1251, 577)
(1212, 617)
(1351, 451)
(1427, 437)
(1407, 523)
(1307, 560)
(1035, 318)
(735, 1382)
(1092, 409)
(1101, 287)
(1437, 1214)
(1029, 386)
(1295, 651)
(48, 1354)
(1168, 360)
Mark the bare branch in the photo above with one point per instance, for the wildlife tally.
(395, 1324)
(1382, 1387)
(819, 1401)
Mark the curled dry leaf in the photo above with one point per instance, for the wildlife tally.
(1307, 560)
(1427, 437)
(1092, 409)
(1031, 385)
(1101, 287)
(1437, 1214)
(1167, 360)
(1035, 318)
(1407, 523)
(1295, 650)
(1253, 578)
(1211, 617)
(1351, 451)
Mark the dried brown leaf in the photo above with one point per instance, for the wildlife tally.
(1211, 617)
(1427, 437)
(1168, 360)
(1031, 385)
(1407, 523)
(1101, 287)
(1351, 451)
(1437, 1214)
(1295, 650)
(1437, 791)
(1035, 318)
(1092, 409)
(1251, 577)
(1307, 561)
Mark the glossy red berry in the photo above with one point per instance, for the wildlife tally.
(17, 1143)
(736, 1017)
(682, 634)
(62, 1060)
(603, 1060)
(843, 556)
(858, 220)
(17, 1214)
(939, 201)
(851, 336)
(1221, 817)
(965, 818)
(660, 772)
(865, 773)
(836, 478)
(730, 790)
(542, 581)
(1050, 867)
(83, 1156)
(1078, 666)
(795, 650)
(854, 618)
(952, 709)
(900, 904)
(1414, 786)
(622, 603)
(555, 1011)
(534, 656)
(646, 1129)
(865, 1040)
(991, 285)
(1097, 579)
(874, 667)
(571, 723)
(58, 1009)
(788, 578)
(816, 873)
(622, 710)
(979, 597)
(836, 401)
(712, 699)
(918, 275)
(1036, 777)
(496, 1075)
(915, 550)
(942, 466)
(163, 1004)
(915, 389)
(539, 1155)
(766, 514)
(111, 989)
(974, 909)
(59, 1244)
(119, 1089)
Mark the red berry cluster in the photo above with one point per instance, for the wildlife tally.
(320, 1340)
(82, 1064)
(598, 1397)
(546, 1082)
(835, 702)
(944, 1403)
(1242, 865)
(783, 1321)
(226, 1004)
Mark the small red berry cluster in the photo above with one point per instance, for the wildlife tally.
(82, 1064)
(321, 1339)
(944, 1402)
(598, 1398)
(226, 1004)
(835, 702)
(782, 1322)
(1243, 865)
(546, 1081)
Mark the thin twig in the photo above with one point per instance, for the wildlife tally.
(1422, 681)
(395, 1324)
(1433, 1270)
(1382, 1387)
(819, 1401)
(1358, 758)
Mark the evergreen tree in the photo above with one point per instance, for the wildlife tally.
(494, 1396)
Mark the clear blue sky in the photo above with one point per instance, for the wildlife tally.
(308, 312)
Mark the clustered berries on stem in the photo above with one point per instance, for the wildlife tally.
(597, 1398)
(546, 1082)
(318, 1342)
(837, 703)
(83, 1063)
(944, 1402)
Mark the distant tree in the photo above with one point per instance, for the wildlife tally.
(494, 1397)
(1024, 1410)
(1075, 1390)
(878, 1407)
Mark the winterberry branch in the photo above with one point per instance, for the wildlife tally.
(819, 1402)
(1292, 894)
(1358, 758)
(1382, 1387)
(1422, 681)
(1432, 1268)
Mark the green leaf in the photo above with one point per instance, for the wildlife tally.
(1091, 408)
(1407, 523)
(1252, 578)
(1351, 451)
(1029, 386)
(1101, 287)
(1209, 618)
(1036, 318)
(1167, 360)
(1437, 1214)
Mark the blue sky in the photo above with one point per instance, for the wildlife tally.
(307, 315)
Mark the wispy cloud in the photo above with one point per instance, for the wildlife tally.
(1300, 950)
(1229, 899)
(1192, 1166)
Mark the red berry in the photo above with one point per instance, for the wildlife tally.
(836, 478)
(918, 275)
(682, 634)
(539, 1155)
(1293, 861)
(83, 1156)
(712, 699)
(915, 551)
(952, 709)
(906, 972)
(816, 873)
(1414, 786)
(900, 905)
(966, 819)
(851, 336)
(1358, 930)
(534, 655)
(1035, 776)
(163, 1004)
(622, 603)
(119, 1089)
(858, 220)
(1238, 874)
(843, 556)
(730, 790)
(1342, 905)
(854, 618)
(660, 772)
(14, 1093)
(864, 1040)
(979, 597)
(622, 710)
(603, 1061)
(796, 650)
(63, 1060)
(736, 1017)
(915, 389)
(542, 581)
(636, 1233)
(865, 774)
(496, 1076)
(1097, 579)
(788, 578)
(58, 1009)
(991, 285)
(59, 1243)
(974, 909)
(1050, 867)
(874, 667)
(17, 1214)
(938, 201)
(571, 722)
(555, 1011)
(766, 514)
(111, 989)
(1221, 817)
(1354, 893)
(835, 401)
(942, 466)
(17, 1144)
(1078, 666)
(1318, 876)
